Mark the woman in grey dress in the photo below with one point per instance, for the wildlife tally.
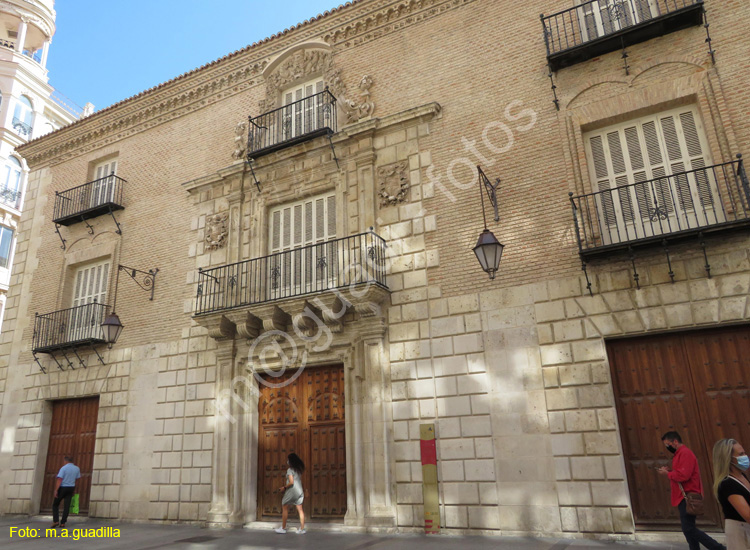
(293, 493)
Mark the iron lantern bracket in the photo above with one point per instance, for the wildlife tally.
(491, 190)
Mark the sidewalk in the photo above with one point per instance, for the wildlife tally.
(173, 537)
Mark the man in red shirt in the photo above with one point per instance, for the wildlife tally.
(685, 470)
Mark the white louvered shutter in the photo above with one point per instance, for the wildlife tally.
(302, 115)
(602, 17)
(103, 187)
(648, 150)
(304, 228)
(91, 284)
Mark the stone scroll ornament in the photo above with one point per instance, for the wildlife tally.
(216, 231)
(309, 63)
(240, 140)
(393, 183)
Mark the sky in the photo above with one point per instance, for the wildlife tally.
(104, 51)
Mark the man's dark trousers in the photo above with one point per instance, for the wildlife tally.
(694, 536)
(66, 494)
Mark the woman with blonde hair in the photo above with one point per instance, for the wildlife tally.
(732, 489)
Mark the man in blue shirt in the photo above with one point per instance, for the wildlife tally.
(64, 489)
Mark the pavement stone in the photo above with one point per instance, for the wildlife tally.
(189, 537)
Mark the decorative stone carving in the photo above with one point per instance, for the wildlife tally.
(240, 140)
(216, 231)
(308, 63)
(393, 183)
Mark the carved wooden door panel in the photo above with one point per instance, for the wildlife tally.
(73, 433)
(697, 383)
(303, 416)
(720, 368)
(325, 422)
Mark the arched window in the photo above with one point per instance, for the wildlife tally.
(23, 116)
(11, 189)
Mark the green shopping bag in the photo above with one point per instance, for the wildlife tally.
(74, 504)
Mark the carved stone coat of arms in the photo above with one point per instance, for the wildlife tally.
(216, 231)
(393, 183)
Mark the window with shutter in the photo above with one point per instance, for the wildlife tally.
(89, 287)
(103, 186)
(302, 256)
(90, 284)
(644, 171)
(302, 108)
(602, 17)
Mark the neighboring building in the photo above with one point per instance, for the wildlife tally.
(548, 400)
(28, 110)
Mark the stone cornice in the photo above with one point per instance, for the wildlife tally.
(351, 25)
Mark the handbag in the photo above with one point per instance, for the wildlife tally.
(694, 504)
(74, 504)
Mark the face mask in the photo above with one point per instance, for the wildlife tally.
(743, 462)
(671, 449)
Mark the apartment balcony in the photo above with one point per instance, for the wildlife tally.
(597, 27)
(89, 200)
(10, 197)
(21, 128)
(69, 328)
(291, 124)
(683, 205)
(336, 265)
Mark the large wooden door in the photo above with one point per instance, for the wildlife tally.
(695, 383)
(73, 433)
(303, 415)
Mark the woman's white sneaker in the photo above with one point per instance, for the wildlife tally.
(280, 530)
(301, 531)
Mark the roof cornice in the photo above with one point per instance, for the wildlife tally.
(350, 25)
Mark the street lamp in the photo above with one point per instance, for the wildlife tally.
(112, 326)
(488, 250)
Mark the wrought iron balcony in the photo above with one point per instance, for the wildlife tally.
(69, 328)
(21, 127)
(89, 200)
(299, 121)
(336, 264)
(10, 196)
(672, 207)
(596, 27)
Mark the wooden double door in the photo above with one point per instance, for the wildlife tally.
(303, 413)
(72, 433)
(697, 383)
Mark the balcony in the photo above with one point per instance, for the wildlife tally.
(597, 27)
(21, 127)
(10, 196)
(686, 204)
(299, 121)
(89, 200)
(337, 264)
(69, 328)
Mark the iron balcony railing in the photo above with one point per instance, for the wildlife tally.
(21, 127)
(10, 196)
(336, 264)
(681, 204)
(88, 200)
(69, 328)
(596, 27)
(299, 121)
